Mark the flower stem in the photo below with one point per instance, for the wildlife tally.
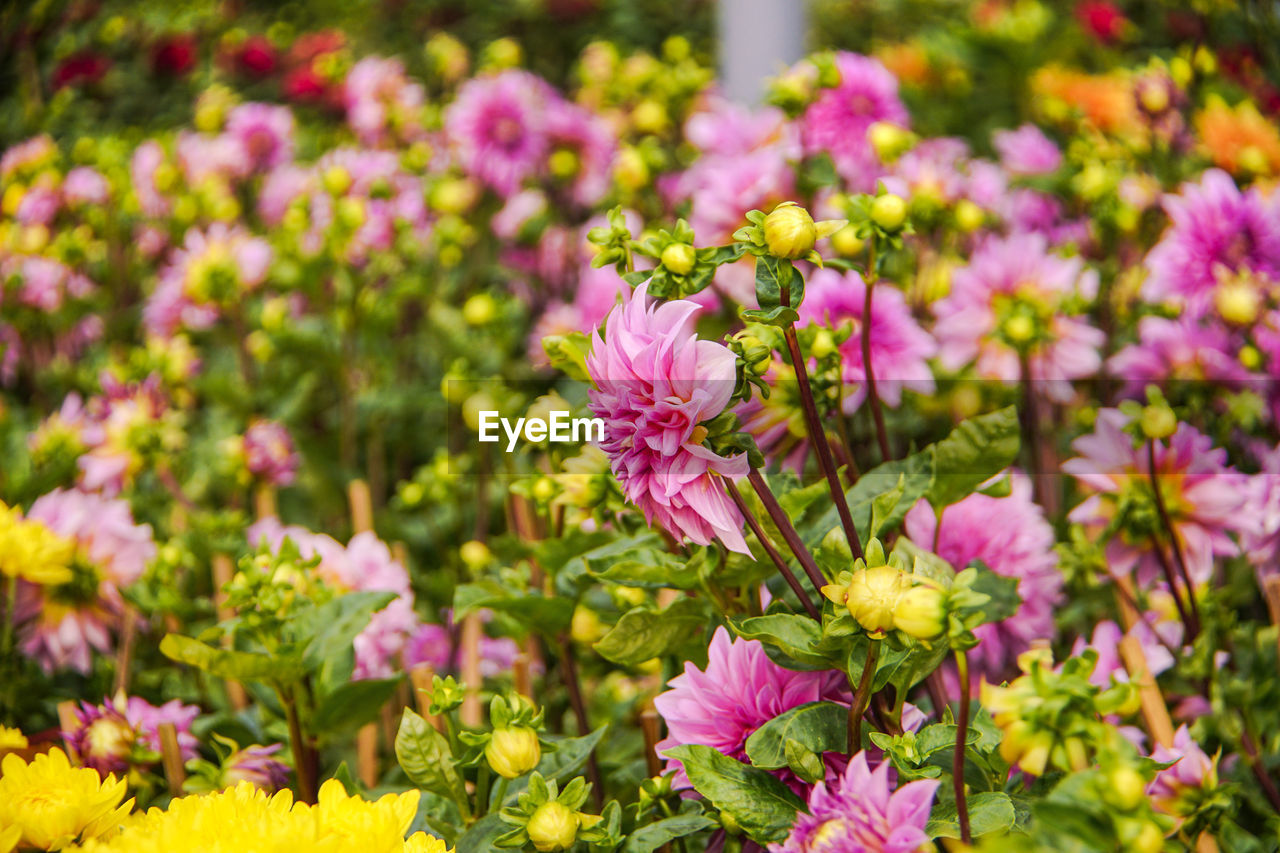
(783, 568)
(304, 767)
(482, 790)
(1031, 430)
(788, 532)
(869, 278)
(6, 646)
(962, 737)
(569, 669)
(1175, 545)
(820, 443)
(861, 697)
(500, 794)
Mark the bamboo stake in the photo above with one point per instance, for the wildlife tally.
(223, 572)
(124, 654)
(1271, 586)
(361, 506)
(1154, 710)
(171, 757)
(523, 680)
(367, 738)
(68, 722)
(421, 676)
(264, 502)
(651, 725)
(470, 712)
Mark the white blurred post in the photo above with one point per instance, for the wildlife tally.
(758, 38)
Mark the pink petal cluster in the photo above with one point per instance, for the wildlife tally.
(1013, 538)
(179, 302)
(270, 453)
(363, 564)
(1192, 769)
(1026, 151)
(106, 737)
(1214, 229)
(497, 128)
(60, 633)
(1204, 496)
(1019, 267)
(382, 103)
(900, 349)
(106, 426)
(836, 123)
(740, 690)
(264, 133)
(862, 813)
(1182, 349)
(654, 384)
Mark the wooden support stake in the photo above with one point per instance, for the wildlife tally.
(651, 725)
(1154, 710)
(1271, 586)
(421, 675)
(361, 506)
(223, 571)
(472, 630)
(171, 757)
(124, 654)
(521, 676)
(264, 502)
(68, 722)
(367, 754)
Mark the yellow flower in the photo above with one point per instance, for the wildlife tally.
(364, 825)
(873, 596)
(11, 739)
(553, 826)
(420, 842)
(31, 551)
(513, 752)
(53, 804)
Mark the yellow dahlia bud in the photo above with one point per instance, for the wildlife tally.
(475, 554)
(1158, 421)
(1128, 788)
(12, 199)
(513, 752)
(824, 344)
(921, 613)
(562, 163)
(679, 258)
(789, 231)
(873, 597)
(630, 169)
(1019, 328)
(889, 140)
(1150, 839)
(1238, 302)
(479, 310)
(969, 217)
(1250, 357)
(649, 116)
(1253, 161)
(553, 827)
(847, 242)
(889, 211)
(454, 195)
(337, 180)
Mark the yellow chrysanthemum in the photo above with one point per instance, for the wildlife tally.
(54, 804)
(31, 551)
(9, 838)
(11, 739)
(246, 818)
(420, 842)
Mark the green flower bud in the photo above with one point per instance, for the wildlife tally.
(969, 217)
(889, 140)
(824, 344)
(873, 597)
(847, 242)
(552, 827)
(1128, 788)
(679, 258)
(513, 752)
(1158, 421)
(475, 554)
(337, 180)
(889, 212)
(921, 613)
(479, 310)
(789, 231)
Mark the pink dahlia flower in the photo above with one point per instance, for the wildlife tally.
(109, 737)
(270, 453)
(654, 384)
(85, 185)
(592, 140)
(254, 764)
(740, 691)
(1215, 230)
(497, 127)
(1192, 770)
(836, 123)
(861, 813)
(62, 626)
(1181, 349)
(1011, 536)
(935, 169)
(264, 133)
(30, 154)
(364, 564)
(213, 267)
(382, 103)
(1026, 151)
(1204, 497)
(1019, 271)
(900, 349)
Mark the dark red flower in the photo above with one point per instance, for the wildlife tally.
(310, 45)
(1101, 19)
(304, 84)
(256, 56)
(174, 55)
(79, 69)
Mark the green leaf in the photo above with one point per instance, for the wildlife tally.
(990, 811)
(230, 664)
(425, 758)
(646, 839)
(763, 806)
(804, 762)
(549, 615)
(779, 315)
(1003, 592)
(973, 453)
(818, 726)
(353, 704)
(643, 633)
(481, 836)
(332, 628)
(796, 636)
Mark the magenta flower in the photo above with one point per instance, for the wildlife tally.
(593, 142)
(1192, 770)
(900, 349)
(861, 813)
(144, 168)
(85, 185)
(382, 103)
(935, 169)
(1181, 349)
(38, 206)
(270, 453)
(1204, 496)
(497, 127)
(1026, 151)
(264, 133)
(1215, 231)
(110, 737)
(254, 764)
(429, 645)
(62, 626)
(836, 123)
(29, 154)
(1011, 536)
(740, 690)
(1018, 275)
(220, 158)
(654, 383)
(214, 267)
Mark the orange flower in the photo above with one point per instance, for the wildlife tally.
(908, 62)
(1104, 101)
(1239, 139)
